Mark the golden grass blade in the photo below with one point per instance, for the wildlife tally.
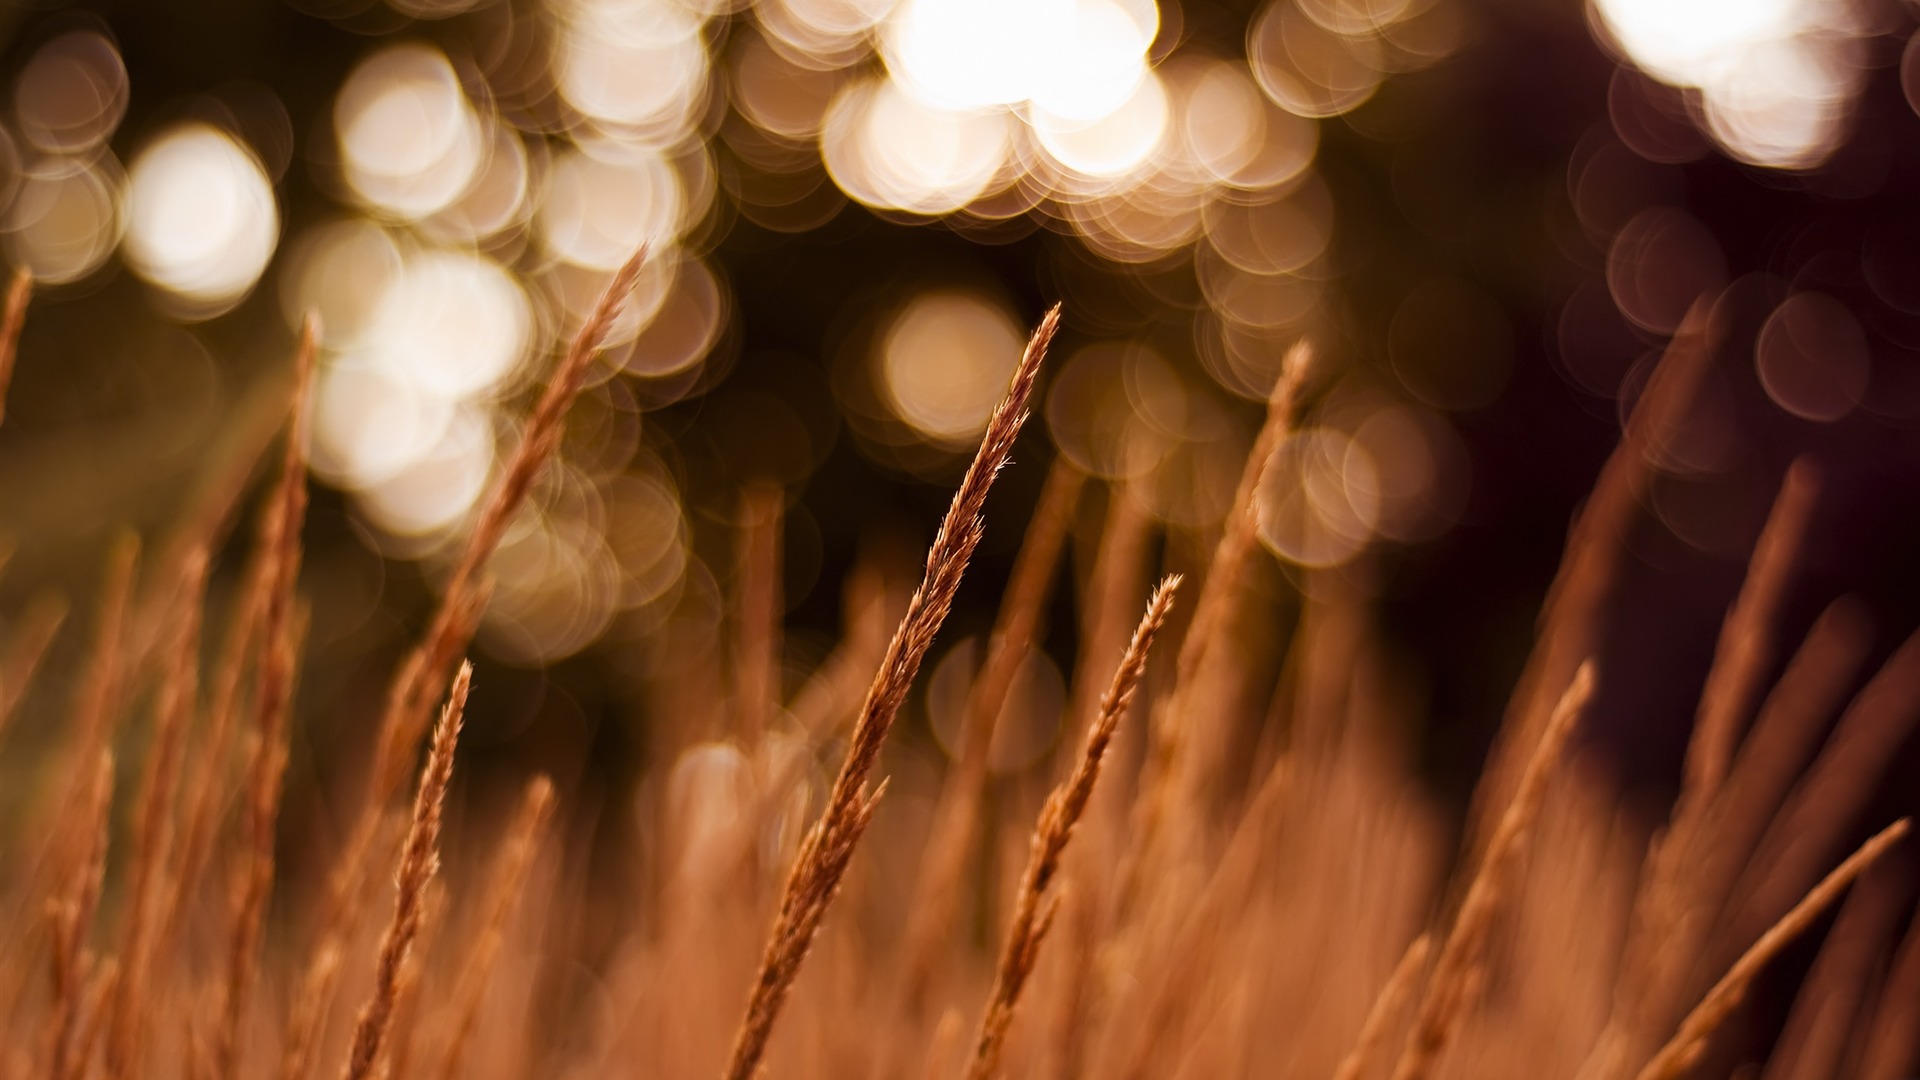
(419, 861)
(35, 632)
(154, 828)
(1746, 645)
(72, 916)
(1829, 798)
(822, 859)
(1813, 1044)
(19, 292)
(1591, 564)
(1384, 1016)
(950, 842)
(1892, 1047)
(1034, 908)
(411, 697)
(1183, 755)
(509, 880)
(273, 700)
(1458, 965)
(1690, 1040)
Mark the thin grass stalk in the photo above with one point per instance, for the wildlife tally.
(824, 853)
(1828, 799)
(411, 698)
(19, 292)
(950, 842)
(1180, 760)
(71, 916)
(35, 632)
(1813, 1043)
(1690, 1041)
(1035, 906)
(1591, 565)
(1746, 646)
(503, 892)
(273, 699)
(1462, 955)
(1891, 1048)
(419, 861)
(95, 705)
(210, 787)
(1384, 1017)
(411, 695)
(154, 825)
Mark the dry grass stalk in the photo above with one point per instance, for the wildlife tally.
(1720, 809)
(1182, 759)
(95, 708)
(1891, 1049)
(105, 681)
(70, 917)
(419, 861)
(414, 691)
(273, 698)
(1461, 956)
(1034, 908)
(1133, 1039)
(508, 881)
(1690, 1040)
(1384, 1017)
(1828, 799)
(1813, 1045)
(309, 1014)
(19, 291)
(1746, 644)
(950, 842)
(822, 859)
(154, 824)
(24, 653)
(940, 1049)
(1591, 567)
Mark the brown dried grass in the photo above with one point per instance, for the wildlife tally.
(1263, 933)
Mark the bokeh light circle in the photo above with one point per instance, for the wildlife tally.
(201, 218)
(944, 363)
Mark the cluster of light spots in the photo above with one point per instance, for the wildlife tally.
(201, 218)
(495, 195)
(944, 363)
(637, 68)
(1776, 77)
(419, 338)
(63, 217)
(1074, 111)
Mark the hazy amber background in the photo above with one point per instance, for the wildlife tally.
(1486, 214)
